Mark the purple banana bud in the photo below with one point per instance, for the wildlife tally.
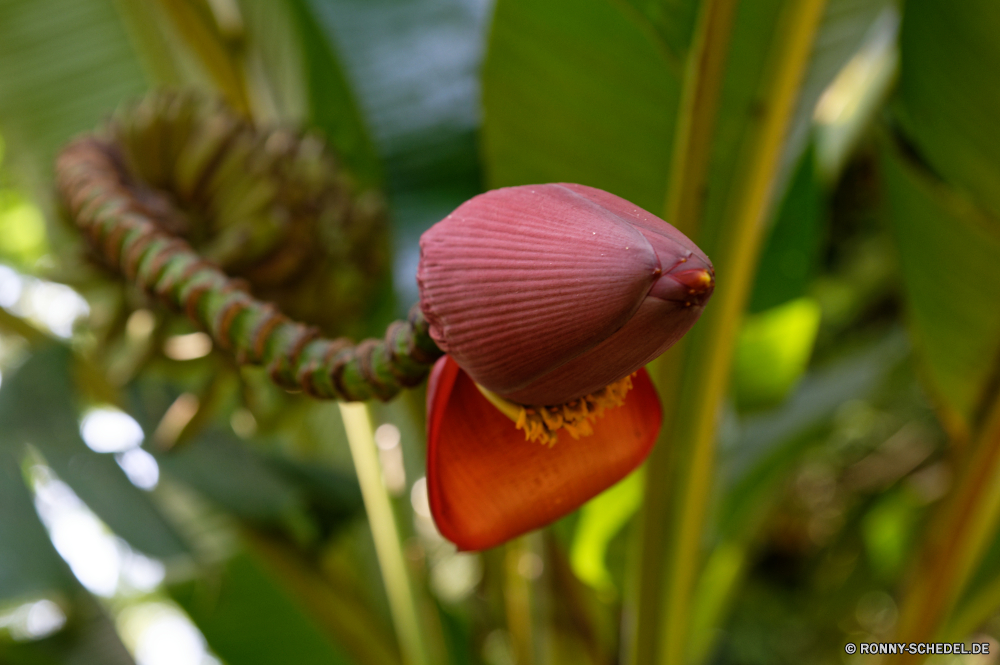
(546, 293)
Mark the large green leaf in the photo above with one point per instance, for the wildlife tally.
(226, 470)
(37, 406)
(946, 208)
(332, 105)
(249, 620)
(589, 100)
(64, 64)
(262, 488)
(29, 565)
(842, 30)
(949, 101)
(413, 65)
(942, 173)
(789, 256)
(89, 638)
(332, 495)
(594, 99)
(245, 477)
(672, 21)
(949, 251)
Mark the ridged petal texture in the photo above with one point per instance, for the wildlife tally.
(518, 280)
(654, 328)
(487, 484)
(545, 293)
(668, 242)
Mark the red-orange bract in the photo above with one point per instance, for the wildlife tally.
(487, 484)
(545, 294)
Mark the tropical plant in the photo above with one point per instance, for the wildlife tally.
(203, 201)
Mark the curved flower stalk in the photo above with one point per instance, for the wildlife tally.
(548, 300)
(111, 205)
(178, 194)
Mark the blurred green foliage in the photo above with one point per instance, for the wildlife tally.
(865, 362)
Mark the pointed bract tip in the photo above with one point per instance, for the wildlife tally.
(525, 287)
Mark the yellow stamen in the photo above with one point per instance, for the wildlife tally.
(542, 423)
(513, 411)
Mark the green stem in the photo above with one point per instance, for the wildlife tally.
(521, 599)
(696, 118)
(342, 615)
(688, 462)
(402, 603)
(703, 81)
(643, 592)
(956, 539)
(202, 39)
(974, 612)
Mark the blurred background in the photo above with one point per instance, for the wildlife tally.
(160, 505)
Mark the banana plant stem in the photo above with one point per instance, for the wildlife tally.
(703, 79)
(705, 369)
(712, 353)
(696, 118)
(402, 601)
(956, 539)
(520, 599)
